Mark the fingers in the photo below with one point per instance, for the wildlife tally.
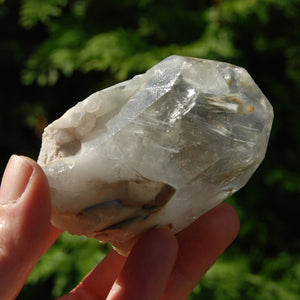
(24, 223)
(200, 245)
(147, 268)
(143, 275)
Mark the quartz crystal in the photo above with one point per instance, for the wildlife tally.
(154, 151)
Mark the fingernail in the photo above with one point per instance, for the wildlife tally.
(15, 179)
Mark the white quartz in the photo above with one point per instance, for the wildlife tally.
(157, 150)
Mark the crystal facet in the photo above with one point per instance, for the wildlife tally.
(157, 150)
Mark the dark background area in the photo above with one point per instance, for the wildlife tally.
(54, 53)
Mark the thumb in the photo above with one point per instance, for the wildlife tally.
(24, 222)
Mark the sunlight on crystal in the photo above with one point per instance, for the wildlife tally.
(157, 150)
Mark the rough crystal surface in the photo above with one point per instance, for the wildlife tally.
(157, 150)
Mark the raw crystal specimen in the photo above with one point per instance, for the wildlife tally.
(157, 150)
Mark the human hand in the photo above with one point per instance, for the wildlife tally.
(160, 266)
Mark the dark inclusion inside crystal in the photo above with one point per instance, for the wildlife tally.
(131, 210)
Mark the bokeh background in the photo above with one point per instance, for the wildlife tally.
(54, 53)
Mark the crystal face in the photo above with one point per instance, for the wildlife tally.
(157, 150)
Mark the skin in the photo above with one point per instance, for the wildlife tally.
(160, 265)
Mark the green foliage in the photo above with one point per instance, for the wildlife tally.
(230, 280)
(34, 11)
(124, 48)
(56, 52)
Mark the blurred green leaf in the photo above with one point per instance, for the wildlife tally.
(34, 11)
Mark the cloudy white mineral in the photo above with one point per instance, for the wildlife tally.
(157, 150)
